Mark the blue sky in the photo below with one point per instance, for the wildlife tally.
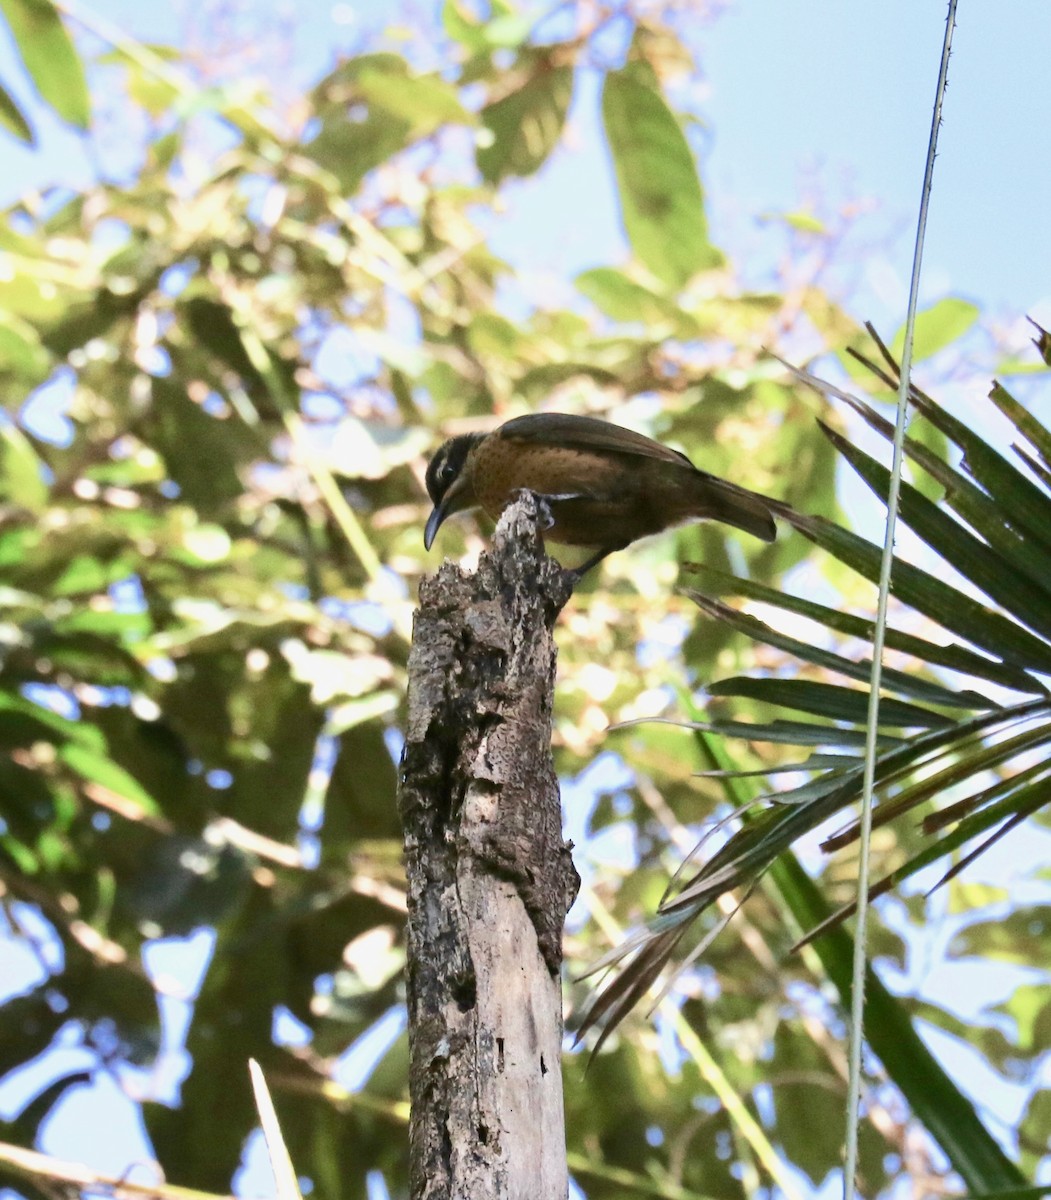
(849, 88)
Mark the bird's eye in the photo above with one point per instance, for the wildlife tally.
(446, 472)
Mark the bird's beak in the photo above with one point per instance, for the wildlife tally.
(460, 495)
(438, 515)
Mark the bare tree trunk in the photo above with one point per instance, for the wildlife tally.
(490, 878)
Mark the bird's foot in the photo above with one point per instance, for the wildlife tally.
(545, 518)
(578, 573)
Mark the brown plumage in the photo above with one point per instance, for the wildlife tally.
(604, 486)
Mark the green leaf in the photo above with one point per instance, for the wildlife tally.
(493, 336)
(102, 770)
(953, 656)
(1005, 939)
(988, 569)
(624, 299)
(930, 781)
(50, 58)
(933, 1097)
(155, 90)
(213, 326)
(504, 29)
(201, 453)
(1025, 503)
(21, 351)
(812, 762)
(373, 107)
(21, 472)
(791, 733)
(928, 594)
(1018, 799)
(22, 722)
(351, 713)
(461, 27)
(804, 222)
(937, 327)
(425, 101)
(661, 201)
(12, 120)
(994, 515)
(1042, 341)
(926, 440)
(828, 700)
(1023, 420)
(526, 125)
(900, 681)
(509, 31)
(753, 848)
(1029, 1008)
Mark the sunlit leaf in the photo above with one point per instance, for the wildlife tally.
(462, 27)
(661, 202)
(624, 299)
(937, 327)
(525, 126)
(21, 471)
(21, 351)
(372, 107)
(12, 119)
(50, 58)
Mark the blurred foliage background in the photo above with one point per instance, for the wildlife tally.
(222, 377)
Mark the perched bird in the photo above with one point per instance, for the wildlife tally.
(603, 486)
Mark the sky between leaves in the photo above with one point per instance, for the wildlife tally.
(804, 100)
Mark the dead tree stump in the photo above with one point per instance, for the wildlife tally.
(490, 877)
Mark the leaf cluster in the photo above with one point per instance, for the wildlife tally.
(222, 377)
(964, 724)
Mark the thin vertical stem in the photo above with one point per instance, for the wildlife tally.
(857, 1002)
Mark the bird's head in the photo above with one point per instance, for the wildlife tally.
(449, 483)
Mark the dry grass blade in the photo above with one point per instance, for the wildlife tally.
(285, 1181)
(38, 1168)
(613, 1003)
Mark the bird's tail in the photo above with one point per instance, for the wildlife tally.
(718, 500)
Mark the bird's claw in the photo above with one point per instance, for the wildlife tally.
(545, 519)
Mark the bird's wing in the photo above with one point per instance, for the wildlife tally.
(587, 433)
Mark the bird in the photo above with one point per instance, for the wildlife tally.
(601, 486)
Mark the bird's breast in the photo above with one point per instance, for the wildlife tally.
(594, 499)
(501, 468)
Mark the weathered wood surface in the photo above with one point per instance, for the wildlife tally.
(490, 877)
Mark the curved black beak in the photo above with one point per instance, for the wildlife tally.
(438, 515)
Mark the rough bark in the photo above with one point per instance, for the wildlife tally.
(490, 878)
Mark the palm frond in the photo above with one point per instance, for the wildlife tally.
(969, 713)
